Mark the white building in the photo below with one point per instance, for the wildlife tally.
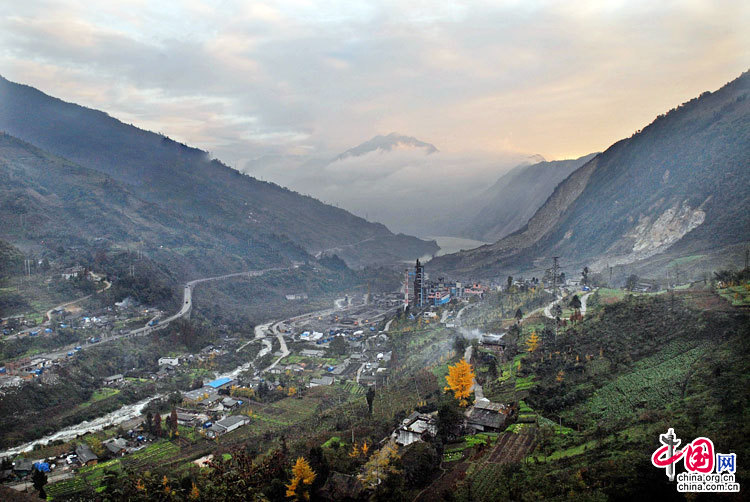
(169, 361)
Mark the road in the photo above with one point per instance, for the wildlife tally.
(187, 305)
(548, 308)
(342, 247)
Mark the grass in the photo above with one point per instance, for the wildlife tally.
(99, 395)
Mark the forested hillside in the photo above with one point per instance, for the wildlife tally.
(185, 180)
(50, 202)
(681, 186)
(514, 198)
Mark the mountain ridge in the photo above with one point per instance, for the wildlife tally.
(174, 175)
(642, 196)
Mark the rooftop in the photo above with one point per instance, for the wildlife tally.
(219, 382)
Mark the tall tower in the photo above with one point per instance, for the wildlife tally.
(419, 285)
(406, 289)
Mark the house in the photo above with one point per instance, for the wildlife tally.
(312, 353)
(85, 455)
(72, 272)
(322, 381)
(22, 467)
(113, 379)
(229, 403)
(117, 447)
(296, 296)
(227, 424)
(415, 428)
(486, 416)
(191, 419)
(169, 361)
(210, 400)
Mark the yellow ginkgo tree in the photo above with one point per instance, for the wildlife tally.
(302, 477)
(460, 380)
(533, 342)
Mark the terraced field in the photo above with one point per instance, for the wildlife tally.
(512, 448)
(655, 380)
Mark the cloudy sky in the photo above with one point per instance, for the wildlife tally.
(254, 82)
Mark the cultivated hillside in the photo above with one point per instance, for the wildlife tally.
(680, 186)
(514, 198)
(184, 180)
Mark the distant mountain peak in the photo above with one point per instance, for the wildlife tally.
(386, 144)
(534, 159)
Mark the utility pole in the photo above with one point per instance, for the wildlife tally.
(609, 283)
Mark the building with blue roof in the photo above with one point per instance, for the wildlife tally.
(219, 383)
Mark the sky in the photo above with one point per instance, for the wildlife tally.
(267, 86)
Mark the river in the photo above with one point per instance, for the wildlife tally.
(449, 245)
(116, 417)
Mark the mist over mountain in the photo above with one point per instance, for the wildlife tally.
(407, 183)
(679, 187)
(386, 144)
(514, 198)
(185, 182)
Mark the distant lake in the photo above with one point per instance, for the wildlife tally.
(450, 245)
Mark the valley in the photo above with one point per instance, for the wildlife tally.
(174, 328)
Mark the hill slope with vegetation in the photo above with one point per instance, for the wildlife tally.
(680, 186)
(185, 180)
(515, 197)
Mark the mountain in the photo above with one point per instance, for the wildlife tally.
(259, 217)
(386, 144)
(45, 199)
(512, 200)
(679, 187)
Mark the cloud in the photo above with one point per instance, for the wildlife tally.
(277, 86)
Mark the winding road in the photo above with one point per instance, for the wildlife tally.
(187, 305)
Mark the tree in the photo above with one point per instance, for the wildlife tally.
(459, 344)
(510, 282)
(585, 276)
(157, 425)
(149, 425)
(173, 421)
(460, 380)
(302, 477)
(420, 463)
(382, 463)
(631, 282)
(39, 479)
(370, 396)
(533, 342)
(449, 417)
(575, 302)
(519, 315)
(338, 345)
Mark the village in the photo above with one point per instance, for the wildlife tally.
(347, 347)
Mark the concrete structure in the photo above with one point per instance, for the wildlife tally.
(169, 361)
(415, 428)
(227, 424)
(322, 381)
